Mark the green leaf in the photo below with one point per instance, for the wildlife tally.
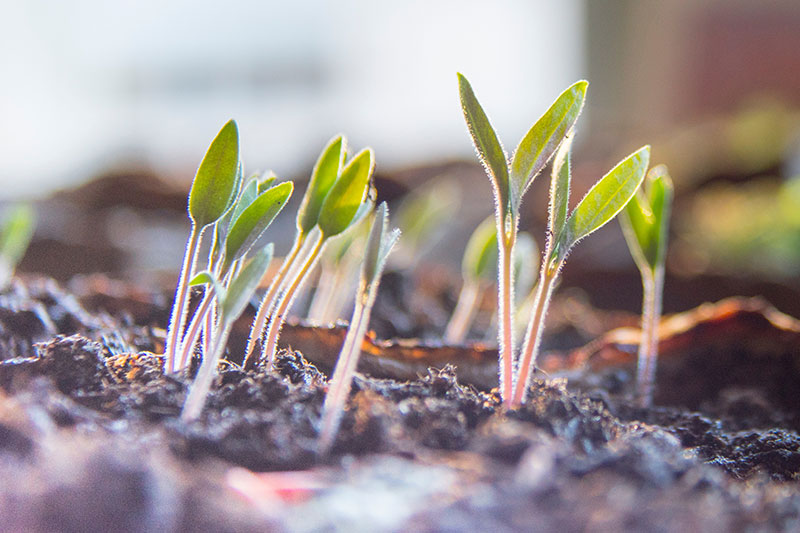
(266, 181)
(480, 255)
(606, 198)
(254, 220)
(326, 170)
(208, 278)
(346, 195)
(559, 189)
(16, 234)
(379, 243)
(645, 220)
(244, 285)
(540, 143)
(486, 143)
(246, 197)
(215, 181)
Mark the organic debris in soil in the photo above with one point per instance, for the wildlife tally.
(427, 454)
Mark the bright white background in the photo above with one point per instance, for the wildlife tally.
(87, 85)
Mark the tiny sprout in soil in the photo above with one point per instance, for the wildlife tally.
(510, 179)
(380, 242)
(15, 236)
(645, 224)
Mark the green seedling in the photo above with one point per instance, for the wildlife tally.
(478, 268)
(335, 198)
(510, 180)
(423, 217)
(564, 230)
(645, 224)
(252, 214)
(16, 233)
(380, 242)
(338, 273)
(232, 302)
(212, 193)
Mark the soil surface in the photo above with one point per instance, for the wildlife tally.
(90, 436)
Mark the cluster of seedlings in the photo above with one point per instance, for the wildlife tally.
(230, 216)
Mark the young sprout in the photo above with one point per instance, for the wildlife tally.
(232, 303)
(645, 224)
(212, 192)
(15, 236)
(380, 243)
(326, 170)
(478, 268)
(251, 216)
(338, 210)
(338, 273)
(510, 180)
(603, 201)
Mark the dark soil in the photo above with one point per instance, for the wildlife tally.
(90, 439)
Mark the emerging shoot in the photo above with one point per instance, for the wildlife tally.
(645, 224)
(380, 243)
(603, 201)
(15, 236)
(510, 179)
(211, 195)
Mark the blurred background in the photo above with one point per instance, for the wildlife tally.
(133, 92)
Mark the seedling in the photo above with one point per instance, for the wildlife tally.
(336, 195)
(602, 203)
(232, 303)
(247, 221)
(645, 224)
(15, 236)
(478, 267)
(510, 180)
(211, 195)
(380, 243)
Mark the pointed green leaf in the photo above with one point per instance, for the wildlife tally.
(379, 243)
(215, 181)
(244, 285)
(540, 143)
(480, 255)
(346, 195)
(559, 189)
(266, 181)
(490, 151)
(326, 170)
(16, 234)
(246, 197)
(606, 198)
(208, 278)
(254, 220)
(645, 220)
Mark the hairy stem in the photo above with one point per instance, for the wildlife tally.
(267, 303)
(652, 288)
(193, 331)
(285, 301)
(464, 313)
(533, 335)
(196, 399)
(177, 318)
(505, 314)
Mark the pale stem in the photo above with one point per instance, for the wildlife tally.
(505, 315)
(267, 304)
(177, 318)
(193, 332)
(652, 289)
(464, 313)
(278, 316)
(533, 336)
(198, 391)
(342, 379)
(326, 287)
